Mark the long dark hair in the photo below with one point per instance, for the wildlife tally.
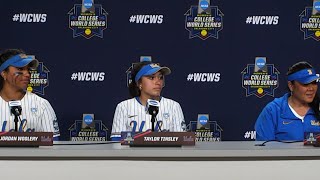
(134, 90)
(316, 100)
(4, 56)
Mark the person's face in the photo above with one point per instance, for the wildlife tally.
(151, 86)
(304, 93)
(16, 77)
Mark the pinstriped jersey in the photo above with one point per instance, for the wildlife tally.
(131, 115)
(37, 115)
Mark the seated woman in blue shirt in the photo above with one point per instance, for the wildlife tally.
(297, 112)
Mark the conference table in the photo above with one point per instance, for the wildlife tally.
(223, 160)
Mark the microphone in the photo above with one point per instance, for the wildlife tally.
(15, 108)
(152, 109)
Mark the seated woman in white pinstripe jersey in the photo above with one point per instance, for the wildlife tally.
(34, 113)
(146, 83)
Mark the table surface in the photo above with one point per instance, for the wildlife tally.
(202, 151)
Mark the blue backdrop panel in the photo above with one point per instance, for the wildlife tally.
(237, 45)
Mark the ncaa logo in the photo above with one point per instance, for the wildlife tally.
(203, 120)
(260, 62)
(204, 5)
(87, 4)
(317, 6)
(88, 119)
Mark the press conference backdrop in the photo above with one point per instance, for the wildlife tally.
(228, 62)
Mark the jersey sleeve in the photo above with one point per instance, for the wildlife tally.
(49, 122)
(118, 123)
(178, 123)
(265, 124)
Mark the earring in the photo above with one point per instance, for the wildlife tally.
(140, 87)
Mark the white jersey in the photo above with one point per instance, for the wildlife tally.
(37, 115)
(131, 115)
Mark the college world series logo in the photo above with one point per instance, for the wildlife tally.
(260, 78)
(39, 79)
(204, 21)
(88, 129)
(205, 130)
(310, 21)
(87, 19)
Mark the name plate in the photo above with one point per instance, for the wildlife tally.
(158, 139)
(26, 139)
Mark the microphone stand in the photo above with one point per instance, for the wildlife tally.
(15, 123)
(153, 111)
(16, 111)
(153, 120)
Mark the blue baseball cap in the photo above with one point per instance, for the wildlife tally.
(304, 76)
(20, 60)
(151, 69)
